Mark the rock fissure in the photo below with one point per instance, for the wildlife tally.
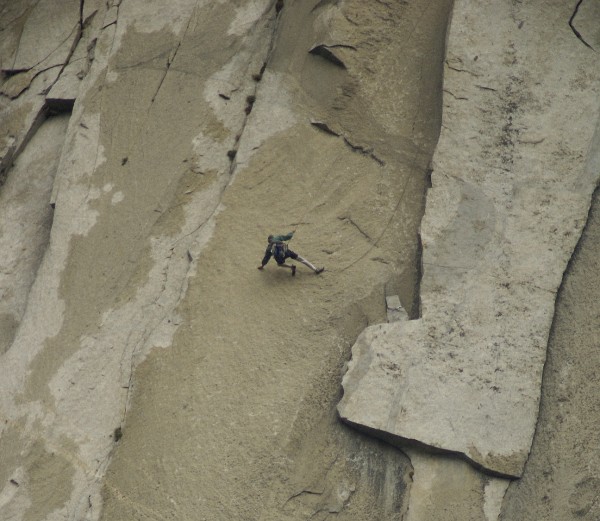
(81, 11)
(15, 150)
(251, 98)
(76, 41)
(324, 127)
(455, 96)
(366, 151)
(457, 69)
(574, 29)
(9, 73)
(77, 33)
(345, 218)
(166, 70)
(484, 87)
(170, 59)
(23, 88)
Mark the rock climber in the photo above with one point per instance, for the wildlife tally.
(279, 249)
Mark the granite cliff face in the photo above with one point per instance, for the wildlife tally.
(508, 202)
(149, 371)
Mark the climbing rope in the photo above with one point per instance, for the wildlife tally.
(385, 228)
(373, 245)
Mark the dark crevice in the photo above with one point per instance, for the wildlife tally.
(415, 311)
(345, 218)
(249, 104)
(170, 60)
(9, 73)
(575, 31)
(321, 125)
(77, 30)
(324, 52)
(79, 33)
(50, 108)
(483, 87)
(416, 305)
(162, 79)
(59, 106)
(402, 443)
(74, 45)
(41, 71)
(364, 151)
(257, 77)
(454, 95)
(85, 22)
(428, 172)
(324, 127)
(451, 67)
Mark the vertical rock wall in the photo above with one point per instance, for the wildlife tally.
(147, 148)
(148, 369)
(513, 176)
(122, 242)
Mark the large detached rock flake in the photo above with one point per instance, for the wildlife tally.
(509, 199)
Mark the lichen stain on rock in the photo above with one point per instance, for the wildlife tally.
(44, 475)
(50, 481)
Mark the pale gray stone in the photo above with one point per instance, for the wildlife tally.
(106, 179)
(65, 89)
(395, 311)
(25, 220)
(584, 22)
(445, 488)
(48, 34)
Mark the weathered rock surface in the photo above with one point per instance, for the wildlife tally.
(446, 488)
(26, 219)
(510, 195)
(562, 475)
(147, 148)
(189, 139)
(443, 487)
(121, 245)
